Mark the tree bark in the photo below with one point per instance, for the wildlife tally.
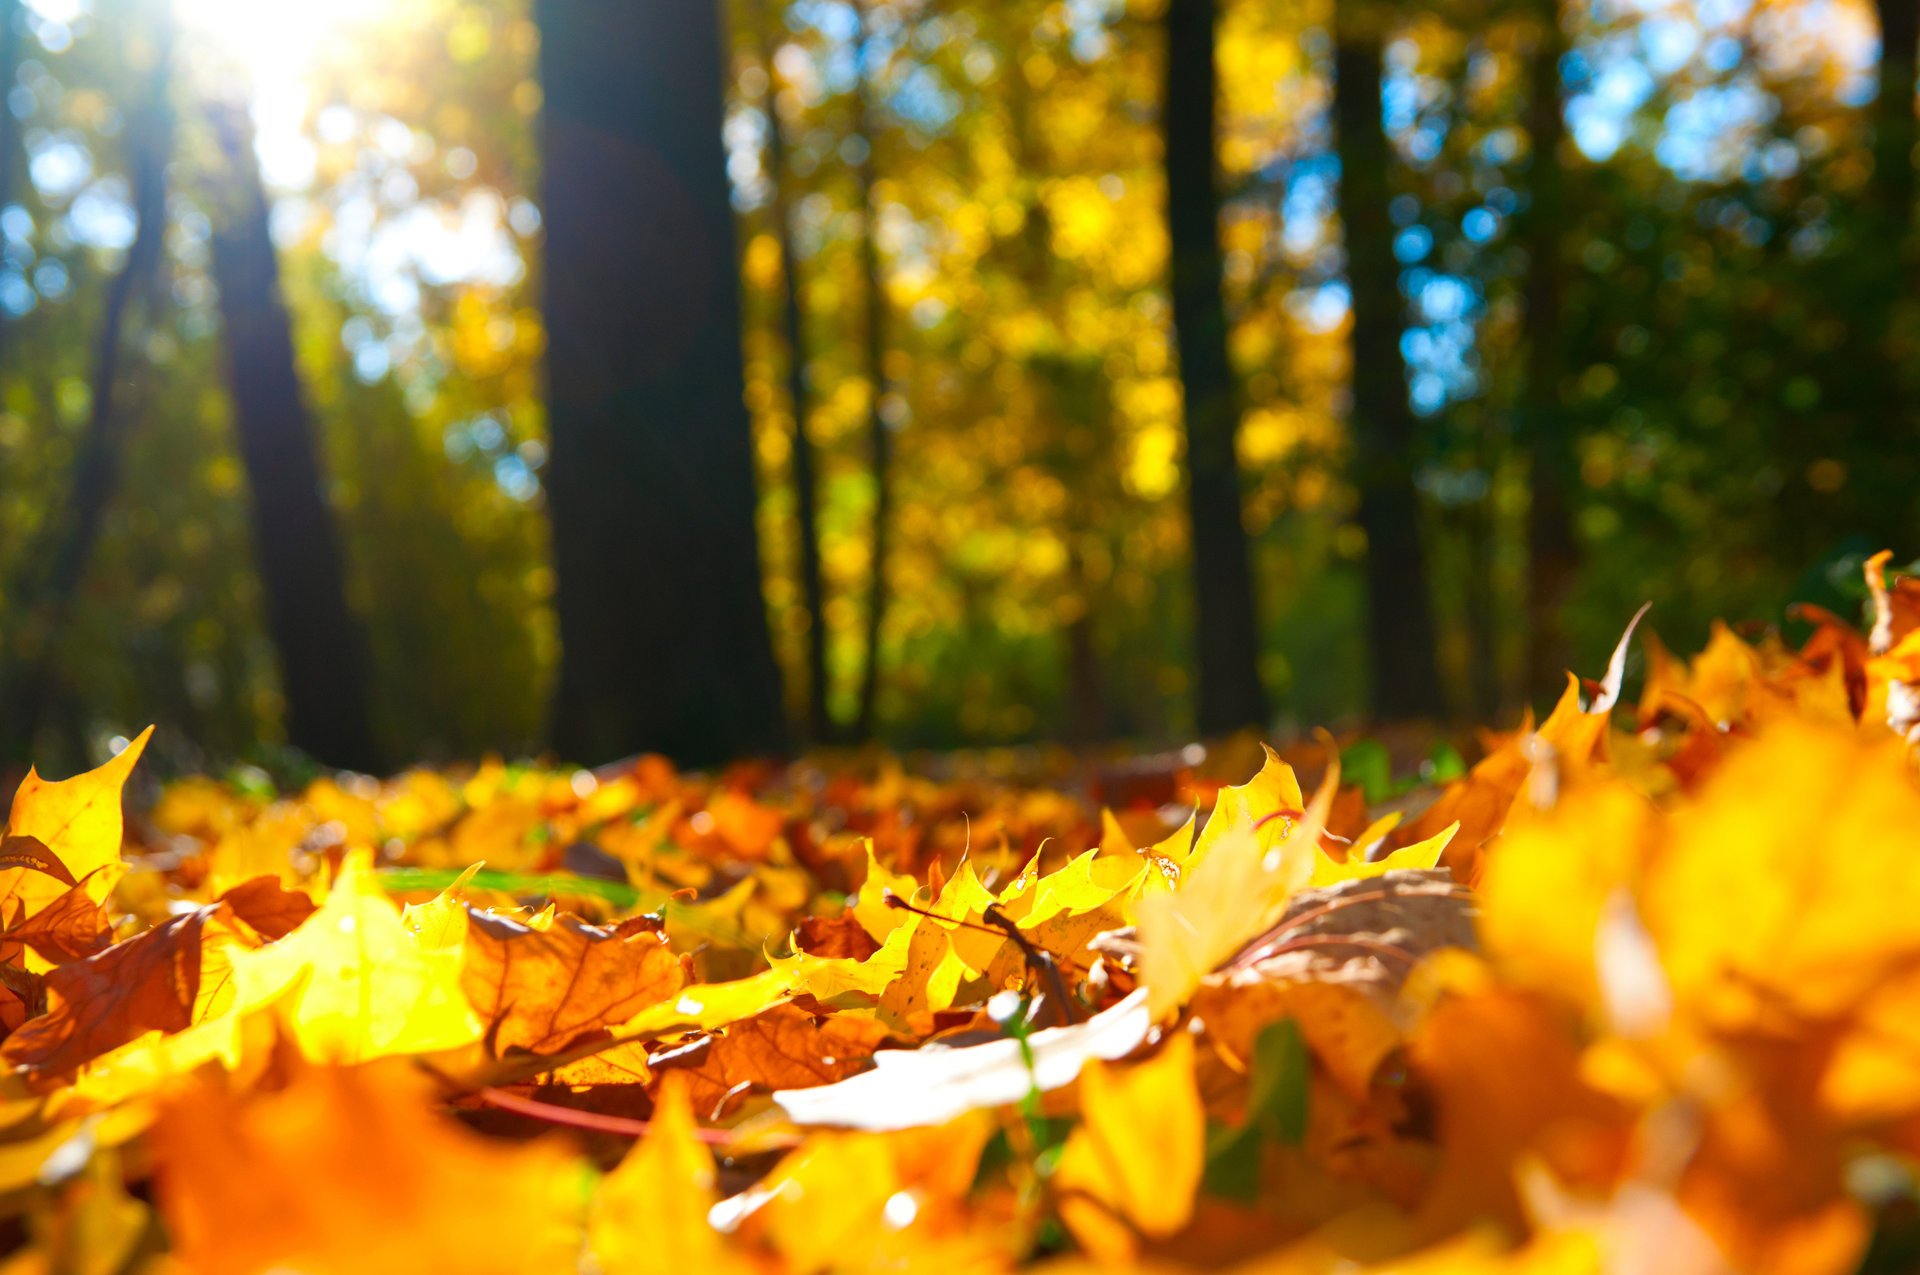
(1552, 550)
(879, 435)
(1895, 129)
(806, 482)
(663, 625)
(323, 654)
(1227, 635)
(1400, 624)
(47, 594)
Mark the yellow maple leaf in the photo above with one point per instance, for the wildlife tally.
(649, 1216)
(1134, 1164)
(870, 906)
(1227, 896)
(846, 1201)
(1421, 854)
(79, 821)
(353, 983)
(1263, 810)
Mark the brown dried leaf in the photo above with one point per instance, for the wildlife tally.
(31, 853)
(147, 983)
(546, 990)
(784, 1048)
(272, 910)
(837, 937)
(71, 928)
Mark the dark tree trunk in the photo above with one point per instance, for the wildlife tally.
(46, 598)
(663, 625)
(1400, 624)
(1881, 394)
(1894, 124)
(323, 654)
(806, 483)
(880, 438)
(1227, 633)
(1552, 551)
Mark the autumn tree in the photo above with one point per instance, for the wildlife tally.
(44, 599)
(1400, 626)
(805, 468)
(879, 432)
(1227, 635)
(322, 649)
(651, 486)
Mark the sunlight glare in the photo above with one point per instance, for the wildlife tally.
(272, 45)
(266, 54)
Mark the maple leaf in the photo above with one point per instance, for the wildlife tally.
(909, 1088)
(1133, 1165)
(649, 1215)
(147, 983)
(1504, 1073)
(1420, 855)
(1334, 963)
(151, 982)
(544, 990)
(348, 1171)
(77, 821)
(1234, 887)
(851, 1201)
(840, 938)
(783, 1048)
(72, 927)
(352, 983)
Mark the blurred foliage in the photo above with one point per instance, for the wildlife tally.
(1726, 285)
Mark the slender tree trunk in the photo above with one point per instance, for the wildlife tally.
(1552, 551)
(323, 653)
(806, 483)
(1895, 130)
(1400, 610)
(1227, 634)
(1881, 394)
(880, 437)
(663, 625)
(47, 599)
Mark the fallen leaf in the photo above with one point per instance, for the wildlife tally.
(1134, 1163)
(353, 984)
(348, 1171)
(545, 990)
(909, 1088)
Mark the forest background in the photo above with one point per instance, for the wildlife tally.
(1161, 366)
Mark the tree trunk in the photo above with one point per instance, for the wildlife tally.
(651, 486)
(880, 438)
(806, 483)
(1400, 624)
(1227, 635)
(48, 593)
(1894, 124)
(1552, 551)
(323, 653)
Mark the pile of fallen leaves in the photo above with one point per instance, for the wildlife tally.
(1640, 991)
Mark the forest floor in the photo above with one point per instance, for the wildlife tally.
(1638, 990)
